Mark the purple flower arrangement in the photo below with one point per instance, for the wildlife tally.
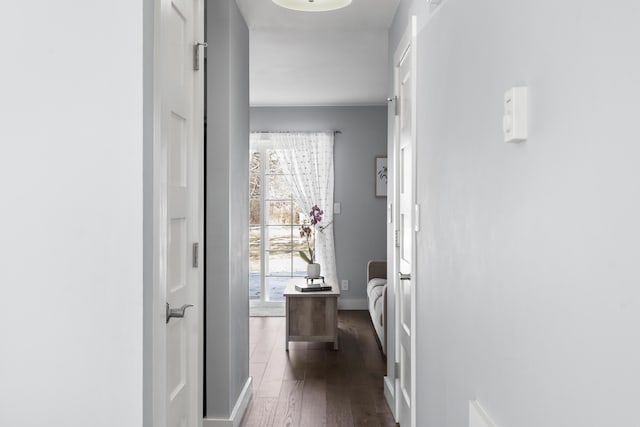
(308, 233)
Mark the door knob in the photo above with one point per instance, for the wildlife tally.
(405, 276)
(178, 313)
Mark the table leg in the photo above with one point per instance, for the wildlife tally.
(286, 321)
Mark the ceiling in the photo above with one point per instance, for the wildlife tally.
(319, 58)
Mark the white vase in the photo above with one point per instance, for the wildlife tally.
(313, 271)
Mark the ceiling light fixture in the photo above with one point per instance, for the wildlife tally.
(313, 5)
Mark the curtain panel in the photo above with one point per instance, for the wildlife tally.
(307, 161)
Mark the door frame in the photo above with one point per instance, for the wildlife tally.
(159, 213)
(392, 382)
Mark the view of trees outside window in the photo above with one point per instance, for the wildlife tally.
(274, 221)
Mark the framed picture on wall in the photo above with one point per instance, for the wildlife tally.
(381, 177)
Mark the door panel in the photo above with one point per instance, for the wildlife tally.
(178, 145)
(177, 357)
(181, 102)
(177, 271)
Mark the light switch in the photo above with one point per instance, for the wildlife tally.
(336, 208)
(514, 121)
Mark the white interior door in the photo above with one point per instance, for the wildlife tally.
(405, 226)
(180, 173)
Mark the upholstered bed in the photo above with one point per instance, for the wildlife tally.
(377, 299)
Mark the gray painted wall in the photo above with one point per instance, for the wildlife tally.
(239, 200)
(360, 228)
(529, 251)
(227, 222)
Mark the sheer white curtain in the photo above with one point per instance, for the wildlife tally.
(307, 161)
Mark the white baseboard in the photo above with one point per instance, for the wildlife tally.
(353, 304)
(238, 410)
(478, 416)
(389, 394)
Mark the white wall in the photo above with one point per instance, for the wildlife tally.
(227, 209)
(71, 168)
(528, 273)
(330, 56)
(148, 290)
(360, 229)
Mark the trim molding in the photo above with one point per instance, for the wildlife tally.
(238, 410)
(353, 304)
(389, 394)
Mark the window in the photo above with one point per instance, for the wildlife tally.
(274, 221)
(290, 173)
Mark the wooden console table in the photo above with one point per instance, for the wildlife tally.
(311, 316)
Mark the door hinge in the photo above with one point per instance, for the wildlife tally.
(396, 108)
(196, 54)
(397, 238)
(196, 253)
(396, 370)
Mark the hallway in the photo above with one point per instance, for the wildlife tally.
(314, 385)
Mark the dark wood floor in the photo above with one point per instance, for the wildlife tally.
(313, 385)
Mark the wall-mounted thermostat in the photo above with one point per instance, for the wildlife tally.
(514, 122)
